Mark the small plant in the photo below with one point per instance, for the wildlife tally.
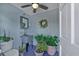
(41, 47)
(5, 39)
(22, 48)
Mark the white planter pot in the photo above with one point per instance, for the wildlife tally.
(39, 54)
(51, 50)
(5, 46)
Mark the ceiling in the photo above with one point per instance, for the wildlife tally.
(28, 10)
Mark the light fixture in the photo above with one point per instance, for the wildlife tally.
(35, 5)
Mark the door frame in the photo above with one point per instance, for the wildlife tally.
(72, 26)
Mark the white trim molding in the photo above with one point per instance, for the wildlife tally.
(60, 14)
(72, 24)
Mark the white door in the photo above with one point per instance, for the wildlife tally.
(69, 32)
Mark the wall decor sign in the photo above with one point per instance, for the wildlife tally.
(43, 23)
(24, 22)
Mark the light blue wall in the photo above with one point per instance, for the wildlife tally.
(53, 23)
(10, 21)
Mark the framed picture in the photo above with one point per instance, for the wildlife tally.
(24, 22)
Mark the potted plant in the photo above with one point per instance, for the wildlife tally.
(52, 43)
(22, 49)
(40, 48)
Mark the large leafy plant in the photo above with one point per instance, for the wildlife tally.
(41, 47)
(50, 40)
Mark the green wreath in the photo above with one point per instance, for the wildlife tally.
(43, 23)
